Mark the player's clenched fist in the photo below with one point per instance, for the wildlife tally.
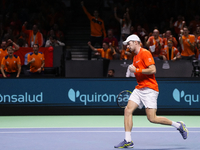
(132, 68)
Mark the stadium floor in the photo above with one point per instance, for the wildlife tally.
(93, 133)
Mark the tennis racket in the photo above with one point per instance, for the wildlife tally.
(122, 98)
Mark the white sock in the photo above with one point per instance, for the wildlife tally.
(128, 136)
(176, 125)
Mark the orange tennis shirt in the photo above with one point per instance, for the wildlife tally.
(142, 60)
(38, 61)
(11, 64)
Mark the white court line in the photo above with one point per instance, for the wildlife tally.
(91, 128)
(30, 132)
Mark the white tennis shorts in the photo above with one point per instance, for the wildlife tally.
(145, 97)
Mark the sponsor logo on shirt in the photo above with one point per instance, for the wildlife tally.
(137, 61)
(149, 59)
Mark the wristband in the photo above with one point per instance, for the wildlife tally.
(137, 70)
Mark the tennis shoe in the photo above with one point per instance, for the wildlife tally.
(183, 130)
(124, 144)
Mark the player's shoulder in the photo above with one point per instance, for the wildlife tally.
(40, 53)
(145, 51)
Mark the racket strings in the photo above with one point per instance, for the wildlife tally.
(123, 98)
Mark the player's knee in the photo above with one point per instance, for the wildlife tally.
(127, 111)
(152, 119)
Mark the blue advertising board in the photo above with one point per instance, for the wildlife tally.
(96, 92)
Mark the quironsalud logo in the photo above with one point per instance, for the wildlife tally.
(189, 98)
(90, 97)
(22, 98)
(178, 95)
(72, 95)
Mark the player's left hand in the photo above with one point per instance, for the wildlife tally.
(132, 68)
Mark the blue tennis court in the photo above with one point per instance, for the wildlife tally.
(98, 138)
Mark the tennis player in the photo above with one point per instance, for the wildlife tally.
(145, 93)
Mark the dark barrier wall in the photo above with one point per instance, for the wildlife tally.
(94, 93)
(95, 68)
(181, 68)
(84, 68)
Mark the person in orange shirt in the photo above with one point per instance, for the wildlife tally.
(187, 42)
(36, 61)
(106, 52)
(3, 50)
(97, 29)
(170, 52)
(168, 36)
(34, 35)
(11, 64)
(155, 44)
(145, 93)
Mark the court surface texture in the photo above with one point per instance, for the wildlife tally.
(93, 133)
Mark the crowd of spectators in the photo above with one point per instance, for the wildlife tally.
(169, 29)
(28, 22)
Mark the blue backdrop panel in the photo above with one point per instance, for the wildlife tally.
(99, 92)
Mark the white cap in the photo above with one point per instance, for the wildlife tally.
(132, 37)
